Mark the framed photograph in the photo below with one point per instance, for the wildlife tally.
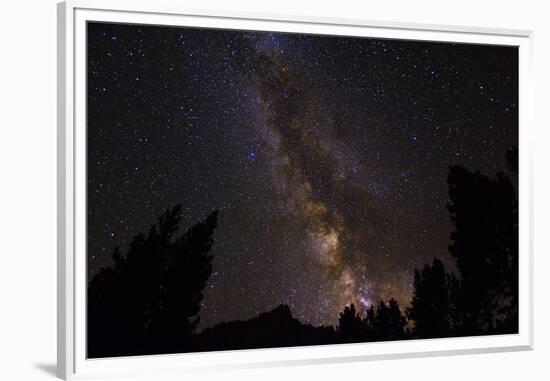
(240, 189)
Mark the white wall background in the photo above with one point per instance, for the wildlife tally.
(28, 188)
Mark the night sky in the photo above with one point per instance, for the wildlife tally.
(326, 156)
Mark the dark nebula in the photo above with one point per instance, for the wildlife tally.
(326, 156)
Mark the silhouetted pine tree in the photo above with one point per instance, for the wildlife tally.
(148, 302)
(349, 324)
(509, 311)
(369, 325)
(431, 303)
(389, 323)
(484, 243)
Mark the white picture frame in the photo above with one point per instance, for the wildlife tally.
(72, 18)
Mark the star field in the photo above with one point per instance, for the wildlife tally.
(327, 157)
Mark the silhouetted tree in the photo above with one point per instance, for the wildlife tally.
(369, 325)
(149, 300)
(387, 323)
(509, 311)
(484, 243)
(431, 303)
(349, 324)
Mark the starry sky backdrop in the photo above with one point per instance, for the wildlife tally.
(326, 156)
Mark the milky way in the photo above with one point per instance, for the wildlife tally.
(302, 140)
(326, 156)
